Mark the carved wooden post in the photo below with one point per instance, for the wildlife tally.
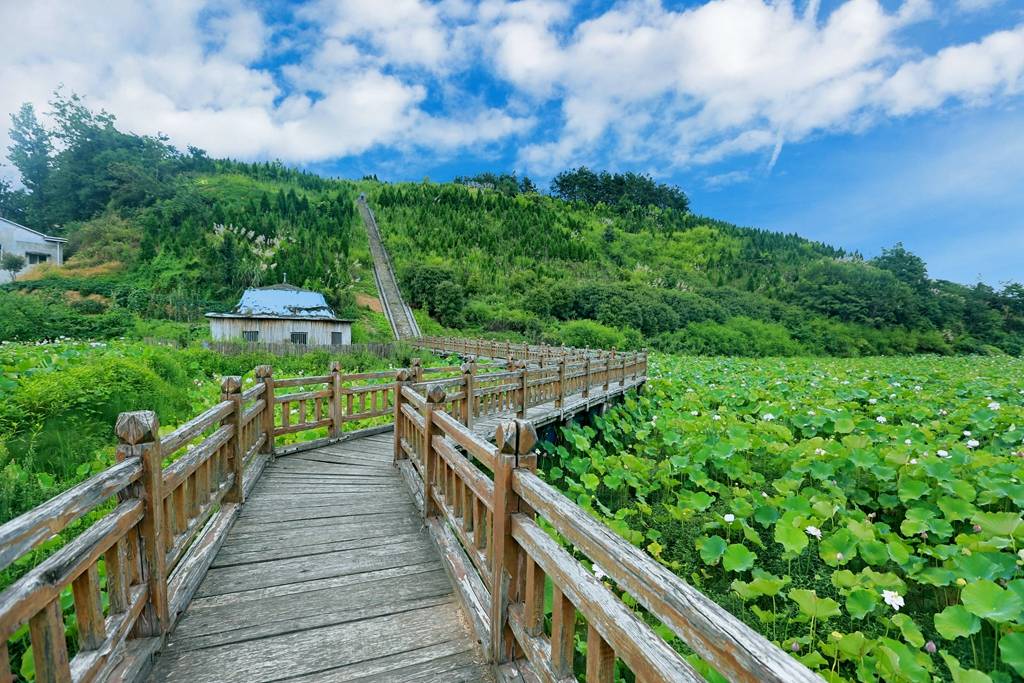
(435, 401)
(401, 380)
(515, 440)
(417, 370)
(608, 360)
(231, 390)
(265, 374)
(586, 383)
(336, 423)
(138, 434)
(469, 385)
(524, 378)
(560, 401)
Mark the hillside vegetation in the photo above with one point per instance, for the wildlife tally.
(606, 259)
(498, 261)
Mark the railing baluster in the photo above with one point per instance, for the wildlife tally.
(49, 650)
(600, 658)
(89, 609)
(563, 631)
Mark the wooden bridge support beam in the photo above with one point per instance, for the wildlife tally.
(431, 460)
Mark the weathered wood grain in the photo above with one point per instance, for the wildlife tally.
(635, 642)
(25, 532)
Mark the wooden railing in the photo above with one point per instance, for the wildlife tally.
(495, 521)
(532, 353)
(162, 526)
(507, 536)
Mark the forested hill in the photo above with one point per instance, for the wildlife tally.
(605, 259)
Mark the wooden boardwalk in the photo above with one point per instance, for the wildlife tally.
(329, 575)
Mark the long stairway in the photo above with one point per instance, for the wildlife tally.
(403, 324)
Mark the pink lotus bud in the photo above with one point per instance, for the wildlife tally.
(795, 647)
(930, 648)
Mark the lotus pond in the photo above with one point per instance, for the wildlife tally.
(864, 514)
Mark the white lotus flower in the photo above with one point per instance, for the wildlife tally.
(729, 517)
(973, 443)
(893, 599)
(819, 451)
(881, 419)
(967, 432)
(994, 405)
(716, 418)
(767, 417)
(813, 531)
(942, 453)
(872, 401)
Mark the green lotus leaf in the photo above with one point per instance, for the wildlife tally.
(911, 489)
(988, 600)
(998, 523)
(711, 548)
(1011, 650)
(961, 675)
(911, 633)
(737, 558)
(812, 605)
(956, 622)
(792, 538)
(860, 602)
(838, 548)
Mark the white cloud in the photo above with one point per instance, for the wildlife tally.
(637, 84)
(972, 72)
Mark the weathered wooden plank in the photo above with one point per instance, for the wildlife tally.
(43, 583)
(194, 427)
(312, 609)
(292, 570)
(25, 532)
(311, 652)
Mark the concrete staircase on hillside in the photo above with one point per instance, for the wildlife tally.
(399, 315)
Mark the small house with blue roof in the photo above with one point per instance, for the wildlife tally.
(281, 313)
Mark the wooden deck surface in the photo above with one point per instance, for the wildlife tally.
(330, 575)
(327, 575)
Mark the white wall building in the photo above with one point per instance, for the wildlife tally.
(281, 313)
(34, 246)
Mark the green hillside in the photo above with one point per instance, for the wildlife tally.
(158, 236)
(508, 262)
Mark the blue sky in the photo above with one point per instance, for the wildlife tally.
(856, 122)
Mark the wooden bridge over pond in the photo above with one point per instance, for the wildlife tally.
(368, 527)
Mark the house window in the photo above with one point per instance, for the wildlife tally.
(251, 335)
(337, 338)
(34, 258)
(298, 337)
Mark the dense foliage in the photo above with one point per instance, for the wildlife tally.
(156, 233)
(525, 264)
(863, 514)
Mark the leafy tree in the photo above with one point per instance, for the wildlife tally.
(30, 151)
(12, 263)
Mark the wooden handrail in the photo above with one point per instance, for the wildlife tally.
(162, 535)
(514, 557)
